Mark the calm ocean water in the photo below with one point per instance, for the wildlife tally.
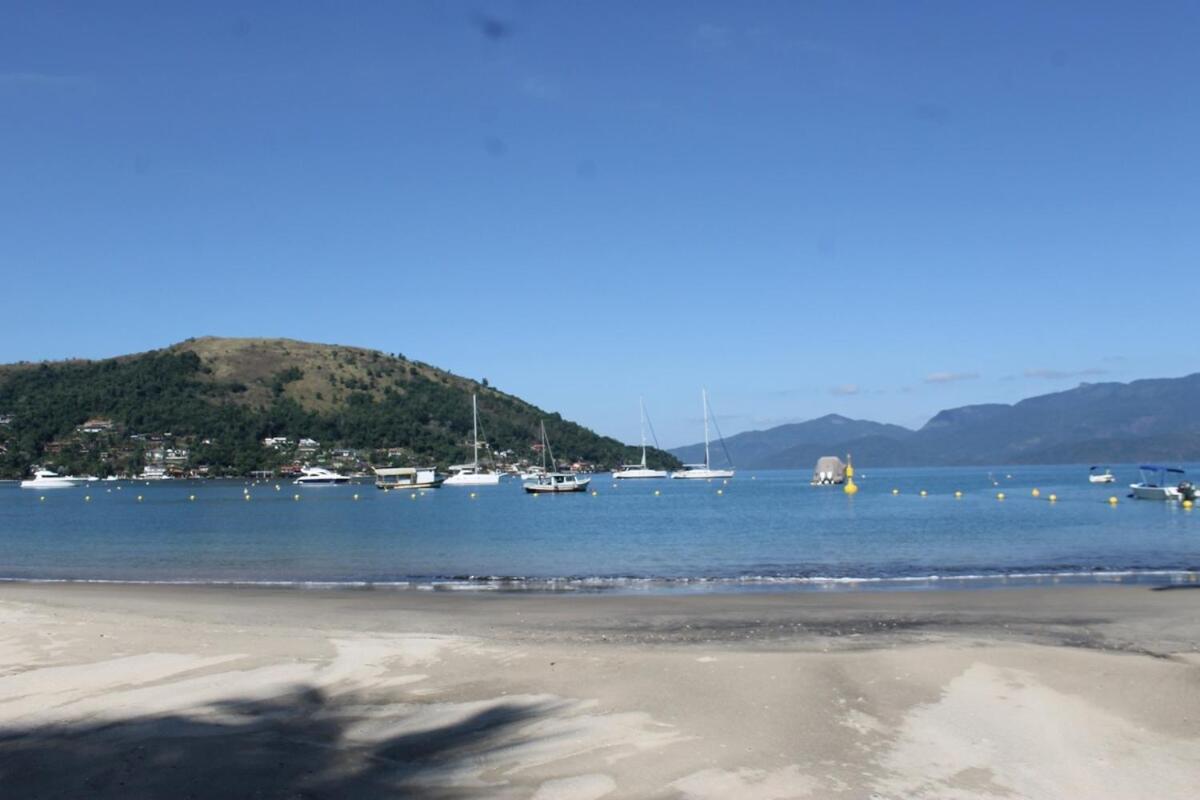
(765, 529)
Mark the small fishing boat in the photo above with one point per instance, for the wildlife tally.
(472, 474)
(1162, 483)
(551, 481)
(705, 471)
(319, 476)
(408, 478)
(1096, 476)
(628, 471)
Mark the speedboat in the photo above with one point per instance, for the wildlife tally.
(45, 479)
(1095, 476)
(1156, 484)
(472, 474)
(554, 481)
(408, 478)
(319, 476)
(704, 471)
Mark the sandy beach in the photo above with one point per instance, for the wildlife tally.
(123, 691)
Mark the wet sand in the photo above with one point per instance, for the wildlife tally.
(115, 691)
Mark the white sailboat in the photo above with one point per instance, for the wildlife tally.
(703, 471)
(639, 470)
(472, 474)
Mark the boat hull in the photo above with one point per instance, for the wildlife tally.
(1102, 479)
(702, 474)
(1144, 492)
(53, 483)
(475, 479)
(638, 474)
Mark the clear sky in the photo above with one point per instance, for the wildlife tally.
(879, 209)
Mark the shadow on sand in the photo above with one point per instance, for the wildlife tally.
(296, 746)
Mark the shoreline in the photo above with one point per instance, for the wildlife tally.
(1156, 578)
(117, 691)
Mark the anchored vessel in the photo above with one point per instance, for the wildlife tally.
(1156, 484)
(704, 471)
(319, 476)
(639, 470)
(1096, 475)
(45, 479)
(408, 478)
(554, 481)
(472, 474)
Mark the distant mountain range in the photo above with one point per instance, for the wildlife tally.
(1157, 419)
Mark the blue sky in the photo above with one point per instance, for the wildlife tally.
(878, 209)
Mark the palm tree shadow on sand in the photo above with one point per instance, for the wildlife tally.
(294, 747)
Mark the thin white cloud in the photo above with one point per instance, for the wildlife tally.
(1064, 374)
(950, 377)
(845, 389)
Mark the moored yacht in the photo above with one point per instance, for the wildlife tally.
(472, 474)
(319, 476)
(639, 470)
(46, 479)
(704, 471)
(1095, 475)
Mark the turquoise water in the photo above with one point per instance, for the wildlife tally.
(765, 528)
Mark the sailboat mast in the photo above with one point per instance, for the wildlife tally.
(642, 403)
(704, 398)
(475, 427)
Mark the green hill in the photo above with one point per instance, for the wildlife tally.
(218, 399)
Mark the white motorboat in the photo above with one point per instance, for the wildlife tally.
(472, 474)
(46, 479)
(154, 473)
(1156, 484)
(319, 476)
(552, 481)
(408, 478)
(628, 471)
(1096, 476)
(704, 471)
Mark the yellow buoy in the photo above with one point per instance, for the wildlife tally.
(414, 495)
(999, 495)
(849, 486)
(277, 487)
(139, 498)
(246, 496)
(657, 492)
(957, 494)
(295, 497)
(720, 491)
(87, 498)
(895, 491)
(1053, 498)
(1112, 501)
(355, 497)
(192, 497)
(595, 493)
(42, 499)
(1036, 493)
(472, 495)
(1187, 504)
(924, 493)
